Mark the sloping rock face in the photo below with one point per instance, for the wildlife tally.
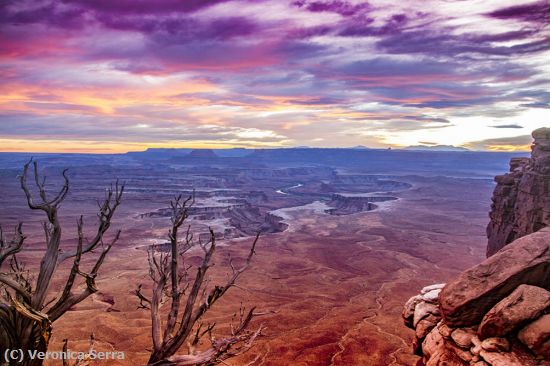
(536, 336)
(525, 304)
(469, 297)
(521, 199)
(496, 313)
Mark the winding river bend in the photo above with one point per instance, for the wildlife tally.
(282, 190)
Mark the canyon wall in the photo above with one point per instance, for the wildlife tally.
(498, 312)
(521, 199)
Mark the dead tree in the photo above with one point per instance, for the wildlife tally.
(189, 299)
(26, 315)
(84, 361)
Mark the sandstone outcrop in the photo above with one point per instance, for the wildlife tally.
(521, 199)
(439, 344)
(498, 312)
(525, 304)
(536, 336)
(475, 291)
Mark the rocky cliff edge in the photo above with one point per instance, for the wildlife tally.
(498, 312)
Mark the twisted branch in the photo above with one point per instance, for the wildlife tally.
(179, 325)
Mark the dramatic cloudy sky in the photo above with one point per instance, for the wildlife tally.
(104, 75)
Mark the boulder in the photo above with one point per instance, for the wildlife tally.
(431, 296)
(437, 286)
(463, 337)
(422, 310)
(464, 301)
(449, 359)
(524, 304)
(536, 336)
(508, 359)
(408, 310)
(444, 330)
(496, 344)
(464, 355)
(476, 349)
(433, 344)
(498, 312)
(426, 325)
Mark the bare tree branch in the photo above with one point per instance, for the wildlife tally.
(15, 244)
(183, 326)
(68, 299)
(25, 317)
(15, 286)
(85, 361)
(107, 209)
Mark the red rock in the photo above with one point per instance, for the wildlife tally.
(417, 346)
(524, 304)
(408, 310)
(444, 330)
(464, 355)
(431, 296)
(480, 363)
(437, 286)
(433, 344)
(450, 359)
(422, 310)
(521, 197)
(464, 301)
(506, 359)
(506, 291)
(463, 337)
(496, 344)
(476, 349)
(536, 336)
(426, 325)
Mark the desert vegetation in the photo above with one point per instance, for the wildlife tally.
(26, 312)
(28, 306)
(183, 324)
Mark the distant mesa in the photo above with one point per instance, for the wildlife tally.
(358, 147)
(435, 148)
(346, 205)
(202, 154)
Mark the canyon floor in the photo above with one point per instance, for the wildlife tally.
(329, 288)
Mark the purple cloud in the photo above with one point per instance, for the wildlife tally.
(443, 43)
(343, 8)
(507, 126)
(536, 12)
(284, 65)
(144, 7)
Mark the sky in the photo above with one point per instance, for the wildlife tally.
(105, 76)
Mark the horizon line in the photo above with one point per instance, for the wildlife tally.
(405, 149)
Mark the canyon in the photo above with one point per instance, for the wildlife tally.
(347, 237)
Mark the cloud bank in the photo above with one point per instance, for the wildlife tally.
(133, 74)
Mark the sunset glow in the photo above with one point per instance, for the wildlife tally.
(115, 76)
